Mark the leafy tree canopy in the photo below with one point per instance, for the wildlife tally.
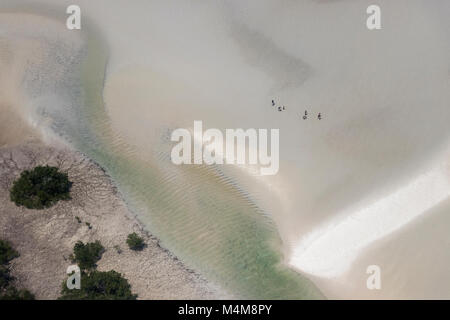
(135, 242)
(7, 290)
(87, 255)
(40, 188)
(7, 253)
(11, 293)
(5, 277)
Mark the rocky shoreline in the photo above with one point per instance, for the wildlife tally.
(45, 238)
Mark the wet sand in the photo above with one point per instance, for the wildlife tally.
(374, 161)
(384, 97)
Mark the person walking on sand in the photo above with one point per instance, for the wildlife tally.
(306, 115)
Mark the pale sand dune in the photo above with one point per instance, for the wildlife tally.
(342, 239)
(13, 122)
(13, 128)
(25, 45)
(413, 263)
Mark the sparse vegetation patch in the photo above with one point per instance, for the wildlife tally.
(40, 188)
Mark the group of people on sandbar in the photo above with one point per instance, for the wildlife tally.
(280, 108)
(305, 116)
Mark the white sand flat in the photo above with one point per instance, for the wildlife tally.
(377, 161)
